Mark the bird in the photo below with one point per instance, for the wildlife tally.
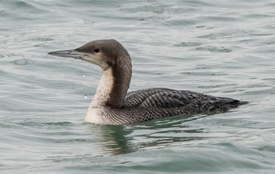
(112, 105)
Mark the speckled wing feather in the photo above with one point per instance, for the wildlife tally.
(186, 100)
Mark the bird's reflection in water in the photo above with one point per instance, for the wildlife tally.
(121, 139)
(114, 139)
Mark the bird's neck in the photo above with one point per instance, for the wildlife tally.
(113, 85)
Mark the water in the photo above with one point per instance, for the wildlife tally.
(222, 48)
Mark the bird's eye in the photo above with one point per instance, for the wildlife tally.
(96, 50)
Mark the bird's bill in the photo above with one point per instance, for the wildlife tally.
(68, 53)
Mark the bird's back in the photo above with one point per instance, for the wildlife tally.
(185, 102)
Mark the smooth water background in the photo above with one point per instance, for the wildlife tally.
(222, 48)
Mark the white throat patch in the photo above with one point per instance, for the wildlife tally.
(104, 88)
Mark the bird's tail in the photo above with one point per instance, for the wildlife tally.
(243, 102)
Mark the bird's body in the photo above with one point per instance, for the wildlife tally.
(111, 103)
(148, 104)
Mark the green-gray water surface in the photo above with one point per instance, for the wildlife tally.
(218, 47)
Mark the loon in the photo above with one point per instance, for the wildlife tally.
(113, 105)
